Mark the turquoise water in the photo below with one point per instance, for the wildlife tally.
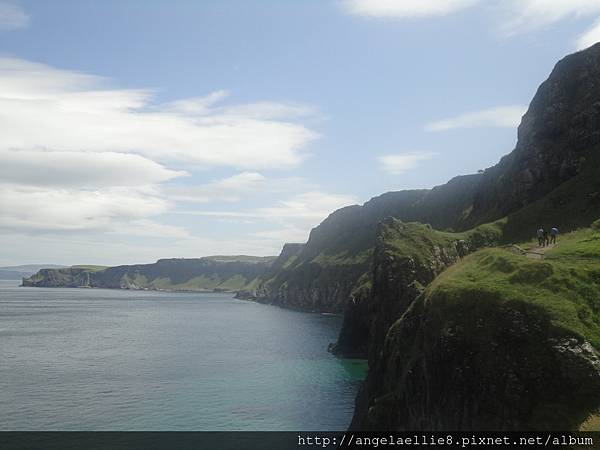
(86, 359)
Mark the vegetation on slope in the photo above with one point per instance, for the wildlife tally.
(90, 267)
(407, 257)
(565, 285)
(497, 341)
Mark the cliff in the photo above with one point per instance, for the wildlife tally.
(407, 257)
(321, 275)
(498, 341)
(558, 141)
(215, 273)
(551, 177)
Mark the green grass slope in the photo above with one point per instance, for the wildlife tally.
(497, 341)
(564, 286)
(562, 292)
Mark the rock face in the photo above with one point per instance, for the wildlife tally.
(550, 178)
(321, 275)
(558, 139)
(474, 361)
(407, 257)
(63, 277)
(475, 354)
(470, 359)
(495, 342)
(503, 370)
(201, 274)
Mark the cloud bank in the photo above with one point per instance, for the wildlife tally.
(399, 163)
(77, 154)
(526, 15)
(405, 8)
(500, 116)
(590, 37)
(43, 107)
(512, 17)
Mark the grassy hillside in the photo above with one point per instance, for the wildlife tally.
(91, 268)
(406, 257)
(564, 286)
(497, 341)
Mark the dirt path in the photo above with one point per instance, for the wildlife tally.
(538, 252)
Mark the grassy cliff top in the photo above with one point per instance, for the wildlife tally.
(419, 241)
(564, 286)
(90, 267)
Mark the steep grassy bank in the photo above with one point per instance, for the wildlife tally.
(497, 341)
(407, 257)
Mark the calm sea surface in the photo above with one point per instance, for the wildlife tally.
(86, 359)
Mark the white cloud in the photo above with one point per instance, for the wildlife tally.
(12, 17)
(148, 228)
(399, 163)
(512, 16)
(230, 189)
(43, 107)
(500, 116)
(406, 8)
(295, 217)
(590, 37)
(116, 249)
(28, 208)
(83, 170)
(235, 188)
(288, 233)
(526, 15)
(79, 155)
(271, 110)
(308, 205)
(314, 206)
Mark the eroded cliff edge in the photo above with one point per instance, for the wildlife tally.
(496, 342)
(551, 176)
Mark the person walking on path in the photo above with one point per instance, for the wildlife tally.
(546, 239)
(540, 236)
(553, 234)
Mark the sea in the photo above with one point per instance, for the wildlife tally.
(100, 359)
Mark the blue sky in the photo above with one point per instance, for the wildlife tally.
(135, 130)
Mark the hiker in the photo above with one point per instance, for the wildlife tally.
(553, 234)
(540, 236)
(546, 239)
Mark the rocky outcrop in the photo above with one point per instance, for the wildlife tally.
(312, 287)
(407, 257)
(558, 138)
(502, 366)
(63, 277)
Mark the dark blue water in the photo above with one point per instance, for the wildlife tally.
(83, 359)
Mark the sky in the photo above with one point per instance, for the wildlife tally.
(133, 130)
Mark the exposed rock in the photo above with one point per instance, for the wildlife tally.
(558, 138)
(397, 277)
(497, 368)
